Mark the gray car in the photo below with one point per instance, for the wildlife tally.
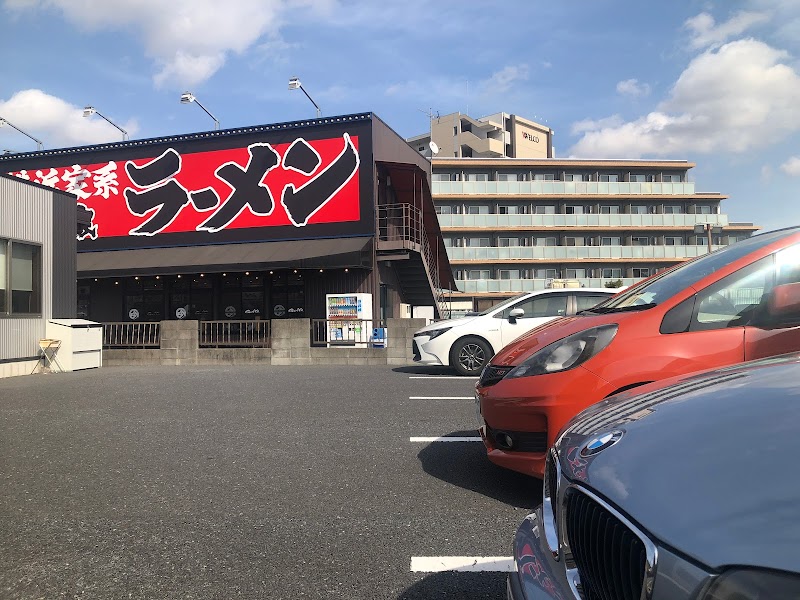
(684, 489)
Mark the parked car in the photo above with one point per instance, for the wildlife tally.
(684, 491)
(468, 343)
(739, 303)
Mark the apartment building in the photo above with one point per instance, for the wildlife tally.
(516, 219)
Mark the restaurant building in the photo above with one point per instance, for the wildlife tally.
(257, 222)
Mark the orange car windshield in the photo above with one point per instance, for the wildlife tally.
(663, 286)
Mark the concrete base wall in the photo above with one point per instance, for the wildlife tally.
(21, 367)
(291, 345)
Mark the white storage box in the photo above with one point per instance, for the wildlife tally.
(81, 343)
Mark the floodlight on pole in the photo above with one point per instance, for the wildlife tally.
(294, 84)
(189, 98)
(91, 110)
(39, 145)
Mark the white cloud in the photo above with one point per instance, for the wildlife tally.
(502, 80)
(735, 98)
(592, 125)
(632, 87)
(792, 166)
(706, 32)
(189, 40)
(56, 123)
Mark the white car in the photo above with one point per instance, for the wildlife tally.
(467, 344)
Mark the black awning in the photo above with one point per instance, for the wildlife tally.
(297, 254)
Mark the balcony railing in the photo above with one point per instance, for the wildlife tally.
(562, 188)
(495, 221)
(132, 335)
(517, 286)
(577, 252)
(234, 334)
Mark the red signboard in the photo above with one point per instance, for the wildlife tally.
(261, 185)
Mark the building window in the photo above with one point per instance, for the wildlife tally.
(573, 209)
(671, 178)
(576, 177)
(544, 241)
(505, 242)
(544, 177)
(510, 209)
(544, 210)
(702, 210)
(671, 240)
(444, 209)
(478, 242)
(611, 273)
(574, 241)
(610, 241)
(478, 209)
(639, 209)
(640, 241)
(510, 177)
(509, 274)
(609, 210)
(448, 242)
(673, 209)
(440, 177)
(640, 272)
(574, 273)
(477, 274)
(546, 274)
(477, 177)
(638, 177)
(20, 278)
(609, 177)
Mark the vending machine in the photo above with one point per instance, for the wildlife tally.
(349, 319)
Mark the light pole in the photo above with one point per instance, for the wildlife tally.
(708, 228)
(294, 84)
(91, 110)
(39, 145)
(189, 97)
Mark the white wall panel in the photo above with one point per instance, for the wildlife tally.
(26, 214)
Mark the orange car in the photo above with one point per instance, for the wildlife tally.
(739, 303)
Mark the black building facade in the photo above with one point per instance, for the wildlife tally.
(251, 223)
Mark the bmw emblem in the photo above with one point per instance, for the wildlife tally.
(600, 443)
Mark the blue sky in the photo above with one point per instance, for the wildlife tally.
(713, 82)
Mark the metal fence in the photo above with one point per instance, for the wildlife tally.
(132, 335)
(234, 334)
(364, 333)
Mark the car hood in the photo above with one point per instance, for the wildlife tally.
(550, 332)
(704, 465)
(445, 323)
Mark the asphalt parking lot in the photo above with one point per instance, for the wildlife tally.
(250, 482)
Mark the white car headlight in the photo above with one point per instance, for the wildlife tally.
(435, 333)
(567, 353)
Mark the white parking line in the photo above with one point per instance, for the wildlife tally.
(445, 438)
(438, 564)
(441, 397)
